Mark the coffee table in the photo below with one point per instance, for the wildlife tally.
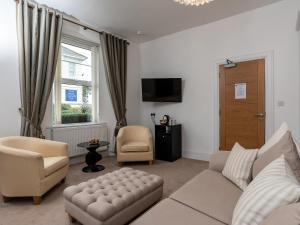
(92, 157)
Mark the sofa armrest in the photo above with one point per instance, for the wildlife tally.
(21, 172)
(120, 139)
(218, 160)
(49, 148)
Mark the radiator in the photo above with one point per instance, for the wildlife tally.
(72, 135)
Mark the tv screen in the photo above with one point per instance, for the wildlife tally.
(162, 90)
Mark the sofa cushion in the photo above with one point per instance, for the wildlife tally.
(285, 145)
(274, 187)
(218, 160)
(274, 139)
(287, 215)
(170, 212)
(238, 167)
(135, 146)
(210, 193)
(52, 164)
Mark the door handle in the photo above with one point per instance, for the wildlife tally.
(261, 115)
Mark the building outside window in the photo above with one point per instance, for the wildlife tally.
(76, 84)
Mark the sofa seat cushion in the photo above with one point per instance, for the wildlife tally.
(210, 193)
(135, 146)
(170, 212)
(52, 164)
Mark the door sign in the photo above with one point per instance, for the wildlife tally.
(240, 90)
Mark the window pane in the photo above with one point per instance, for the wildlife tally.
(76, 104)
(76, 63)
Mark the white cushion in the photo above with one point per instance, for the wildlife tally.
(238, 167)
(274, 186)
(274, 139)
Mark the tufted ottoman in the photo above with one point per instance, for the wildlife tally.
(114, 198)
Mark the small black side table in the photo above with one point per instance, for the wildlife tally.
(92, 157)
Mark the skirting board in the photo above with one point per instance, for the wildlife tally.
(196, 155)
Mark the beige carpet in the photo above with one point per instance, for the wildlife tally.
(21, 211)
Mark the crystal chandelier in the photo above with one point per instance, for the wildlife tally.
(193, 2)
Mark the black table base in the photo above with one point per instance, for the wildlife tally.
(92, 157)
(93, 169)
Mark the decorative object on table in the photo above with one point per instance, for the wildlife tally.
(92, 157)
(193, 2)
(135, 143)
(116, 197)
(165, 120)
(94, 141)
(168, 142)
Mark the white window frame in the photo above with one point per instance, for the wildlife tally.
(95, 49)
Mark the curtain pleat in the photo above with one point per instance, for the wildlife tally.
(39, 33)
(115, 62)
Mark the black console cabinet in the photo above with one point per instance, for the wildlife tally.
(168, 142)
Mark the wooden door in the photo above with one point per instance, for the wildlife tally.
(242, 105)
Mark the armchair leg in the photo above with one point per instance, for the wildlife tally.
(120, 164)
(71, 218)
(151, 162)
(5, 199)
(37, 200)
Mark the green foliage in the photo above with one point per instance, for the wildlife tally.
(75, 117)
(86, 109)
(66, 107)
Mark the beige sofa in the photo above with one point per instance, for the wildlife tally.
(209, 199)
(135, 143)
(31, 166)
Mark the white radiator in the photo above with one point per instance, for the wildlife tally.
(72, 135)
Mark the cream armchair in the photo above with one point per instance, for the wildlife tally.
(135, 143)
(31, 166)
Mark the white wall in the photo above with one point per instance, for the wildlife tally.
(192, 54)
(9, 78)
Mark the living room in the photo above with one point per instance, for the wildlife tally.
(112, 86)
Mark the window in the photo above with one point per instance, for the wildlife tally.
(75, 85)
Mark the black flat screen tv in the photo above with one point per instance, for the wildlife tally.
(162, 90)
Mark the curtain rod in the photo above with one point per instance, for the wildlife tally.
(85, 27)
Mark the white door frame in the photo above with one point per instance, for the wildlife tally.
(269, 92)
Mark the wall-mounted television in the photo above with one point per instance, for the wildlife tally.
(162, 90)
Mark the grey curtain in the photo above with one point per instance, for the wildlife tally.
(115, 62)
(39, 34)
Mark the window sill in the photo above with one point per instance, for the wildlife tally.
(57, 126)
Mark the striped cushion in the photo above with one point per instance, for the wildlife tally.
(274, 186)
(238, 167)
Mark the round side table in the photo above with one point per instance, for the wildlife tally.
(92, 157)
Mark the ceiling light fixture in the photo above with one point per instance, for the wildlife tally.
(193, 2)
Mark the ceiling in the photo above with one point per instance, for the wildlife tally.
(154, 18)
